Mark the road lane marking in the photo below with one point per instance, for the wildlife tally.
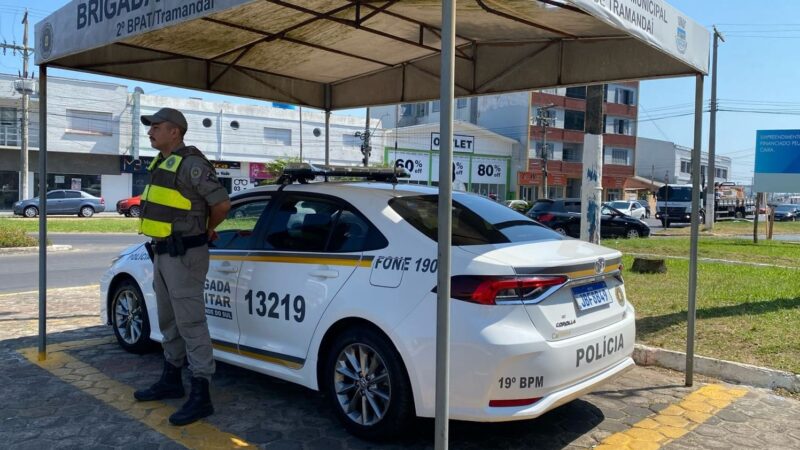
(674, 421)
(199, 435)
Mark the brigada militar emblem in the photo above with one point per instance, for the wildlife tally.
(46, 44)
(170, 162)
(680, 35)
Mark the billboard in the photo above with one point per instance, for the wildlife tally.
(777, 161)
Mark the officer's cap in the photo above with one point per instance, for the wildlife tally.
(167, 115)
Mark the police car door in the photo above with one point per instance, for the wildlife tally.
(236, 240)
(288, 285)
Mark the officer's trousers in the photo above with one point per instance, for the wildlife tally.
(178, 283)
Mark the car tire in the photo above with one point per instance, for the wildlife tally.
(134, 211)
(129, 318)
(387, 408)
(30, 212)
(86, 211)
(633, 233)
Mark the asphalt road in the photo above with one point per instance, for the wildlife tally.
(90, 256)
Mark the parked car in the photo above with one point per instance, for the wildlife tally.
(62, 201)
(563, 216)
(518, 205)
(629, 207)
(787, 212)
(130, 207)
(333, 287)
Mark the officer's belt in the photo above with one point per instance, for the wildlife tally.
(163, 246)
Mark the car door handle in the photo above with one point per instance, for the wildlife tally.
(227, 268)
(322, 273)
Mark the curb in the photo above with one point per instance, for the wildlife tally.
(50, 248)
(717, 368)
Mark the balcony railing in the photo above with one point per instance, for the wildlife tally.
(10, 136)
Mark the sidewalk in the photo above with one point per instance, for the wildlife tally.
(80, 397)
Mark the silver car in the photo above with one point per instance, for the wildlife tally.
(63, 201)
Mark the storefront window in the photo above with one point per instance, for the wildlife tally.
(613, 194)
(86, 183)
(9, 189)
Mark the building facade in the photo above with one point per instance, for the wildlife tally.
(481, 159)
(564, 110)
(96, 142)
(667, 162)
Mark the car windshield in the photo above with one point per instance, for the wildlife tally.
(542, 206)
(619, 205)
(476, 220)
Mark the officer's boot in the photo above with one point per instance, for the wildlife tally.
(169, 386)
(198, 406)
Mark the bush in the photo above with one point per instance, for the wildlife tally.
(15, 237)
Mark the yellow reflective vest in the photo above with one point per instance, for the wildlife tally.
(162, 203)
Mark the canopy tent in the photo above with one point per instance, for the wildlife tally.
(334, 54)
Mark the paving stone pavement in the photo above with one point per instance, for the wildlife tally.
(80, 399)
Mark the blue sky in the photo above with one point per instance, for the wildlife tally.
(758, 72)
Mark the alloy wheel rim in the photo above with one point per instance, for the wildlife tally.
(128, 315)
(633, 233)
(30, 212)
(87, 211)
(362, 384)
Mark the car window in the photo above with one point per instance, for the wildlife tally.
(572, 206)
(235, 232)
(476, 221)
(542, 206)
(55, 195)
(72, 194)
(312, 224)
(619, 205)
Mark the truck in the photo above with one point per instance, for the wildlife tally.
(674, 203)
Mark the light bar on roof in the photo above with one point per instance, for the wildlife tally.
(305, 172)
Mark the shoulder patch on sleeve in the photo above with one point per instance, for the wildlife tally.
(196, 172)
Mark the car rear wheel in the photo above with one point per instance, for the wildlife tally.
(86, 211)
(31, 211)
(134, 211)
(632, 233)
(367, 386)
(129, 318)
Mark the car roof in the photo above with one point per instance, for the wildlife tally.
(353, 190)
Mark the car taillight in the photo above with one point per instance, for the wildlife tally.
(487, 290)
(102, 201)
(546, 217)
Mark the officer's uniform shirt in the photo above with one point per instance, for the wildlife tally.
(197, 181)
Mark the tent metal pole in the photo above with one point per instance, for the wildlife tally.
(327, 124)
(42, 213)
(447, 80)
(698, 135)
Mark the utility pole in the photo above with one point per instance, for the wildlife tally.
(366, 146)
(592, 185)
(712, 140)
(24, 87)
(544, 121)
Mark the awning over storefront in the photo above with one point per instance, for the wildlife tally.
(334, 54)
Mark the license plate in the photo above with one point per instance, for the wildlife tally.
(591, 295)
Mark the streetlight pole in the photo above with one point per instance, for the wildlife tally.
(711, 177)
(544, 121)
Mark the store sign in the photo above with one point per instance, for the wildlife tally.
(228, 169)
(777, 161)
(128, 164)
(489, 170)
(460, 169)
(240, 184)
(258, 171)
(415, 163)
(461, 143)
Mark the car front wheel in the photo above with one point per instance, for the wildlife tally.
(129, 318)
(633, 233)
(30, 212)
(134, 211)
(86, 211)
(366, 383)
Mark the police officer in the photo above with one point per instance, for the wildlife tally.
(181, 206)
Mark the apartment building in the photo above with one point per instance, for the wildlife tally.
(96, 142)
(668, 162)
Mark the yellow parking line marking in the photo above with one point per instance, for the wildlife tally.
(199, 435)
(675, 420)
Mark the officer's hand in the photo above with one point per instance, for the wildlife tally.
(212, 235)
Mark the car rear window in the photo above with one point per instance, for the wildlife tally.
(476, 220)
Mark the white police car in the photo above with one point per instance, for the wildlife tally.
(333, 286)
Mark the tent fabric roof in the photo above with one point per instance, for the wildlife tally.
(334, 54)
